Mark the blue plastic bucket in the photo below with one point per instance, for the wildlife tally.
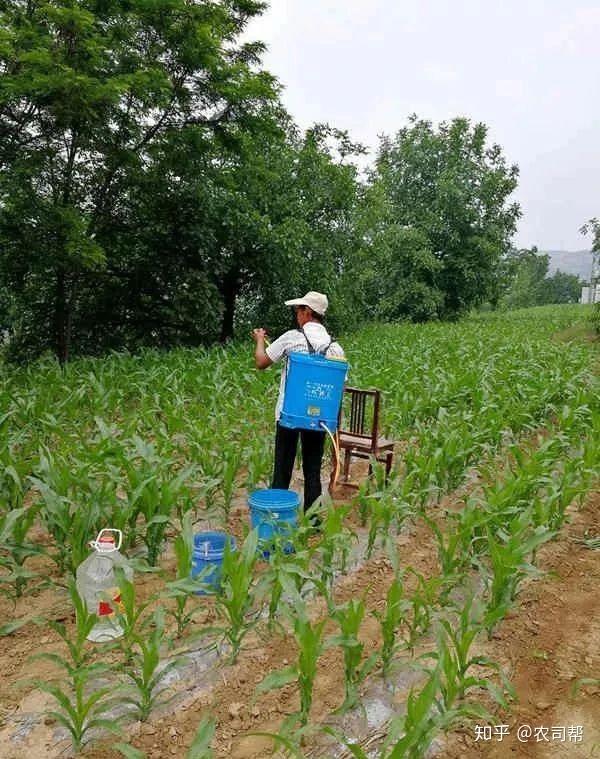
(275, 513)
(209, 548)
(313, 392)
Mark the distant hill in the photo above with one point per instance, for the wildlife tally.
(571, 262)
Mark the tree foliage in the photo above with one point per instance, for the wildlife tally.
(454, 189)
(526, 281)
(154, 191)
(87, 93)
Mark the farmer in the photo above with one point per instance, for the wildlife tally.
(309, 312)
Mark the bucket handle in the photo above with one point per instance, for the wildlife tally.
(97, 545)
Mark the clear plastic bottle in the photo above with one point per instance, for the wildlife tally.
(98, 586)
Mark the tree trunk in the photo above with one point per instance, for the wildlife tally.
(62, 318)
(229, 291)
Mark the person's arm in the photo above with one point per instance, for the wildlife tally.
(261, 359)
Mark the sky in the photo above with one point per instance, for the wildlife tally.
(529, 69)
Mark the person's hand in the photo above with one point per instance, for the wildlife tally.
(259, 334)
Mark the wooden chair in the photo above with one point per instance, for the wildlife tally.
(358, 429)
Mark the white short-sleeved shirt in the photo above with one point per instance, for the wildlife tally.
(294, 341)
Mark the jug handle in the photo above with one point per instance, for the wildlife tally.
(96, 543)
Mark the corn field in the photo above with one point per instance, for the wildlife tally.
(498, 427)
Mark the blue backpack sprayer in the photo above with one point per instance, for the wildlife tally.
(314, 386)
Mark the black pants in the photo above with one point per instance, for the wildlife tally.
(286, 443)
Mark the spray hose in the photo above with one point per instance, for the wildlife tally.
(336, 450)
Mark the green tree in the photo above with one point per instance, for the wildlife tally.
(448, 184)
(393, 274)
(308, 197)
(524, 281)
(562, 287)
(88, 89)
(524, 273)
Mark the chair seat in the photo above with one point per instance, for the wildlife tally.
(362, 443)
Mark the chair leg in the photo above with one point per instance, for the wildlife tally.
(347, 455)
(388, 464)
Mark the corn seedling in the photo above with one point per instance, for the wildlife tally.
(284, 579)
(154, 493)
(508, 554)
(80, 706)
(235, 601)
(335, 543)
(143, 669)
(411, 735)
(230, 466)
(422, 602)
(349, 618)
(449, 548)
(129, 613)
(129, 751)
(363, 502)
(15, 549)
(201, 745)
(182, 590)
(71, 527)
(309, 639)
(453, 655)
(390, 621)
(381, 515)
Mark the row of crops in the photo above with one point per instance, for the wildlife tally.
(150, 444)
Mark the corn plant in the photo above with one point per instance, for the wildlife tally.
(258, 464)
(143, 668)
(453, 654)
(335, 543)
(508, 554)
(80, 706)
(71, 526)
(452, 560)
(183, 588)
(390, 622)
(363, 501)
(472, 524)
(201, 745)
(154, 493)
(12, 468)
(230, 464)
(310, 642)
(381, 516)
(349, 618)
(235, 601)
(129, 751)
(549, 508)
(15, 549)
(130, 614)
(285, 578)
(421, 605)
(410, 735)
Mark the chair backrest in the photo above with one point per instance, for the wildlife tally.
(359, 414)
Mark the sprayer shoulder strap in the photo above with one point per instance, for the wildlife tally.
(311, 348)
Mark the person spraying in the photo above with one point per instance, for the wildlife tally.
(311, 336)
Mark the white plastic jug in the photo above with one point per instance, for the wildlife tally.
(97, 583)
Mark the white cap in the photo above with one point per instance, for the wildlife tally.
(316, 301)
